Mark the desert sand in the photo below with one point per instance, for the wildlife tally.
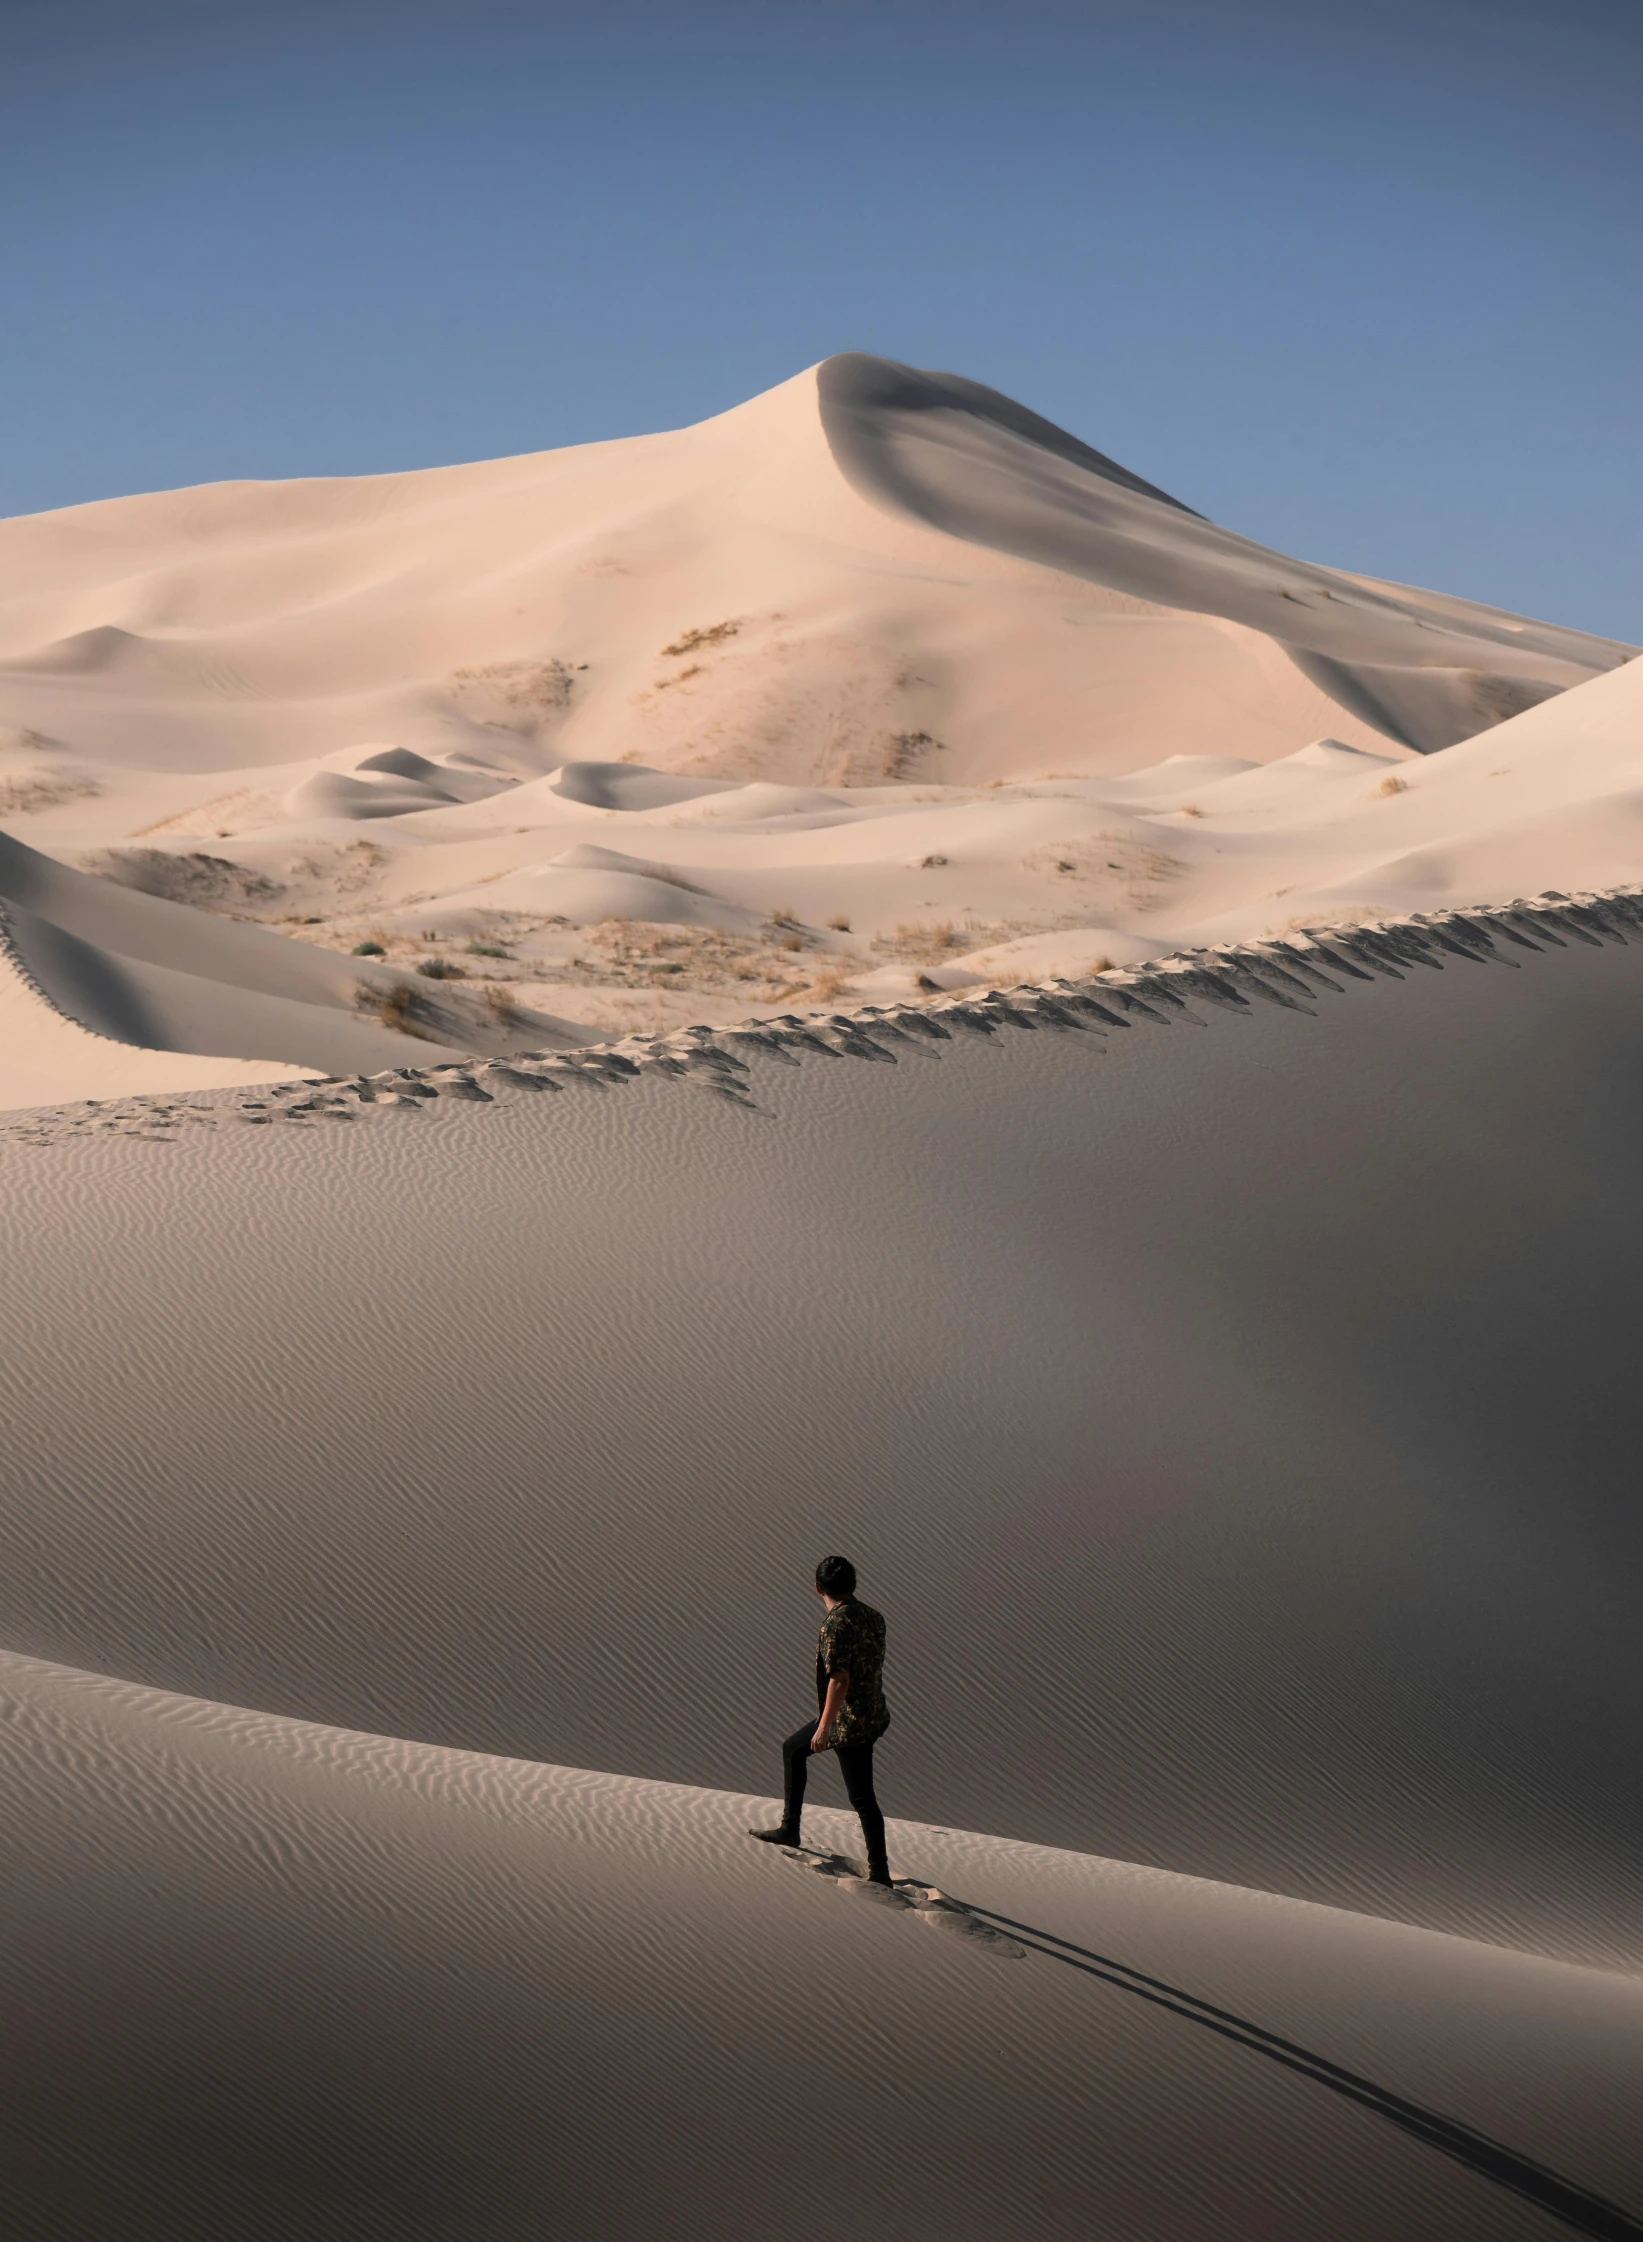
(876, 682)
(1199, 1297)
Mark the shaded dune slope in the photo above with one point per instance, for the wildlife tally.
(864, 556)
(976, 464)
(50, 1056)
(271, 1980)
(1295, 1350)
(144, 970)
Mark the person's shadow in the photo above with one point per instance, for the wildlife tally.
(1578, 2207)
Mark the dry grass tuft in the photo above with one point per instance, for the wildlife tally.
(1191, 809)
(693, 641)
(397, 1007)
(501, 1004)
(922, 941)
(931, 863)
(209, 883)
(1142, 872)
(906, 748)
(1392, 785)
(514, 696)
(839, 926)
(43, 789)
(882, 758)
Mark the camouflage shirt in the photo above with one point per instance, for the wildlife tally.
(852, 1642)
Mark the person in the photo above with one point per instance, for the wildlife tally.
(852, 1713)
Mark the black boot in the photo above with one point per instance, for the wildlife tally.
(878, 1872)
(777, 1836)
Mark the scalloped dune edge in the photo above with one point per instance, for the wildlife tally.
(1290, 972)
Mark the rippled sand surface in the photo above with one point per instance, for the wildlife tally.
(1235, 1420)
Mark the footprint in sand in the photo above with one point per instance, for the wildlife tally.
(925, 1900)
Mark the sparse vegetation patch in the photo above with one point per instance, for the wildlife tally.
(24, 791)
(209, 883)
(693, 641)
(1110, 869)
(514, 696)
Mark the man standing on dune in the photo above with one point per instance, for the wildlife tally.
(852, 1713)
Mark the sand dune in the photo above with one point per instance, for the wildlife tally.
(1221, 1369)
(51, 1058)
(270, 1979)
(138, 969)
(1287, 1343)
(866, 557)
(884, 682)
(975, 464)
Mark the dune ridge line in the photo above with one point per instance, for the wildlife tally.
(1289, 971)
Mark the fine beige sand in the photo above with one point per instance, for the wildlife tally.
(279, 1981)
(1233, 1414)
(1176, 1228)
(876, 684)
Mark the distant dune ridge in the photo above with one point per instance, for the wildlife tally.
(874, 675)
(857, 977)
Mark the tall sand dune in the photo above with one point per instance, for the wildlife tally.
(427, 1386)
(875, 675)
(1256, 1386)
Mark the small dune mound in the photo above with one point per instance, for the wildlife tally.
(631, 786)
(586, 885)
(390, 782)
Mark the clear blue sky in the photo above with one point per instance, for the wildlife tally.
(1362, 281)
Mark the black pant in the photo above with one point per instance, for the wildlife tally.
(856, 1766)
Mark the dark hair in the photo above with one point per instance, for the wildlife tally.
(836, 1576)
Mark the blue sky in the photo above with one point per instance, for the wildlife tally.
(1363, 282)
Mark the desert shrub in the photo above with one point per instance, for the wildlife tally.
(25, 790)
(369, 950)
(208, 882)
(714, 635)
(487, 950)
(396, 1006)
(524, 696)
(441, 969)
(906, 749)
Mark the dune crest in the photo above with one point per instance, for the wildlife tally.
(869, 685)
(853, 976)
